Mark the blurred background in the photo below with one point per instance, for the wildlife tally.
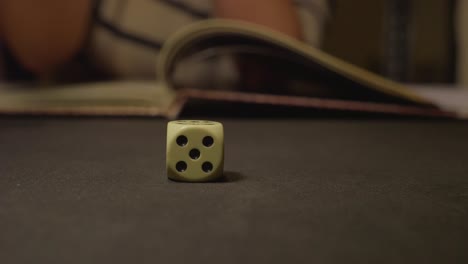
(406, 40)
(415, 41)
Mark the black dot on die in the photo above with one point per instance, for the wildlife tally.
(194, 154)
(182, 140)
(207, 167)
(208, 141)
(181, 166)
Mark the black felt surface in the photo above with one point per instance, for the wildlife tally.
(95, 191)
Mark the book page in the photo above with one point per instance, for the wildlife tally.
(222, 31)
(128, 98)
(450, 98)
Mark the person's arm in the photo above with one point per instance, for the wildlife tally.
(44, 34)
(280, 15)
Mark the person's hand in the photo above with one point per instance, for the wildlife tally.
(44, 34)
(279, 15)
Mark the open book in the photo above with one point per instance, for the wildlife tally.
(318, 82)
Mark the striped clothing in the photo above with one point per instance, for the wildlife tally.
(127, 34)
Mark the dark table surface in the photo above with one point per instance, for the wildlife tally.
(302, 191)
